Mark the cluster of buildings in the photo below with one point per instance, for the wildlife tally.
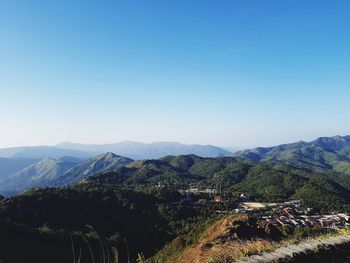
(193, 190)
(289, 214)
(333, 221)
(204, 196)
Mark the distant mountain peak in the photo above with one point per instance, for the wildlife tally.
(154, 150)
(101, 163)
(108, 155)
(48, 160)
(64, 143)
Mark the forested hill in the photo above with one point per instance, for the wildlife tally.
(138, 207)
(39, 222)
(61, 172)
(322, 154)
(258, 181)
(320, 187)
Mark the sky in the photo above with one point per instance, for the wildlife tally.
(235, 73)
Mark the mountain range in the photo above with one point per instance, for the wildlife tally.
(329, 156)
(101, 163)
(59, 172)
(133, 150)
(142, 201)
(10, 166)
(40, 174)
(322, 154)
(258, 181)
(41, 152)
(155, 150)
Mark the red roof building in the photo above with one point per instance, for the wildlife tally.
(218, 198)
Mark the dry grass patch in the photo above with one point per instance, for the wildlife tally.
(235, 250)
(221, 228)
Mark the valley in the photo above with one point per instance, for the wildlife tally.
(156, 209)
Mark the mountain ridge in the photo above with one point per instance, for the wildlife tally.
(52, 172)
(9, 166)
(130, 149)
(40, 152)
(103, 162)
(328, 155)
(323, 153)
(138, 150)
(265, 182)
(40, 174)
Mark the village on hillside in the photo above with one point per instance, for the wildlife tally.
(286, 214)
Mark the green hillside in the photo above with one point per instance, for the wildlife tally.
(322, 154)
(59, 172)
(128, 220)
(138, 207)
(233, 176)
(103, 162)
(40, 174)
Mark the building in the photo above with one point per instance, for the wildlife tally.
(218, 199)
(253, 205)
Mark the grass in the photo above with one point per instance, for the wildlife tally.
(236, 250)
(212, 243)
(170, 252)
(100, 254)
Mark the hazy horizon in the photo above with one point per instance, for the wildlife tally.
(227, 147)
(236, 74)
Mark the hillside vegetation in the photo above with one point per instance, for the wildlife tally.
(136, 206)
(227, 239)
(61, 172)
(40, 174)
(233, 176)
(133, 222)
(322, 154)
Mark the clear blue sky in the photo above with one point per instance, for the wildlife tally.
(231, 73)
